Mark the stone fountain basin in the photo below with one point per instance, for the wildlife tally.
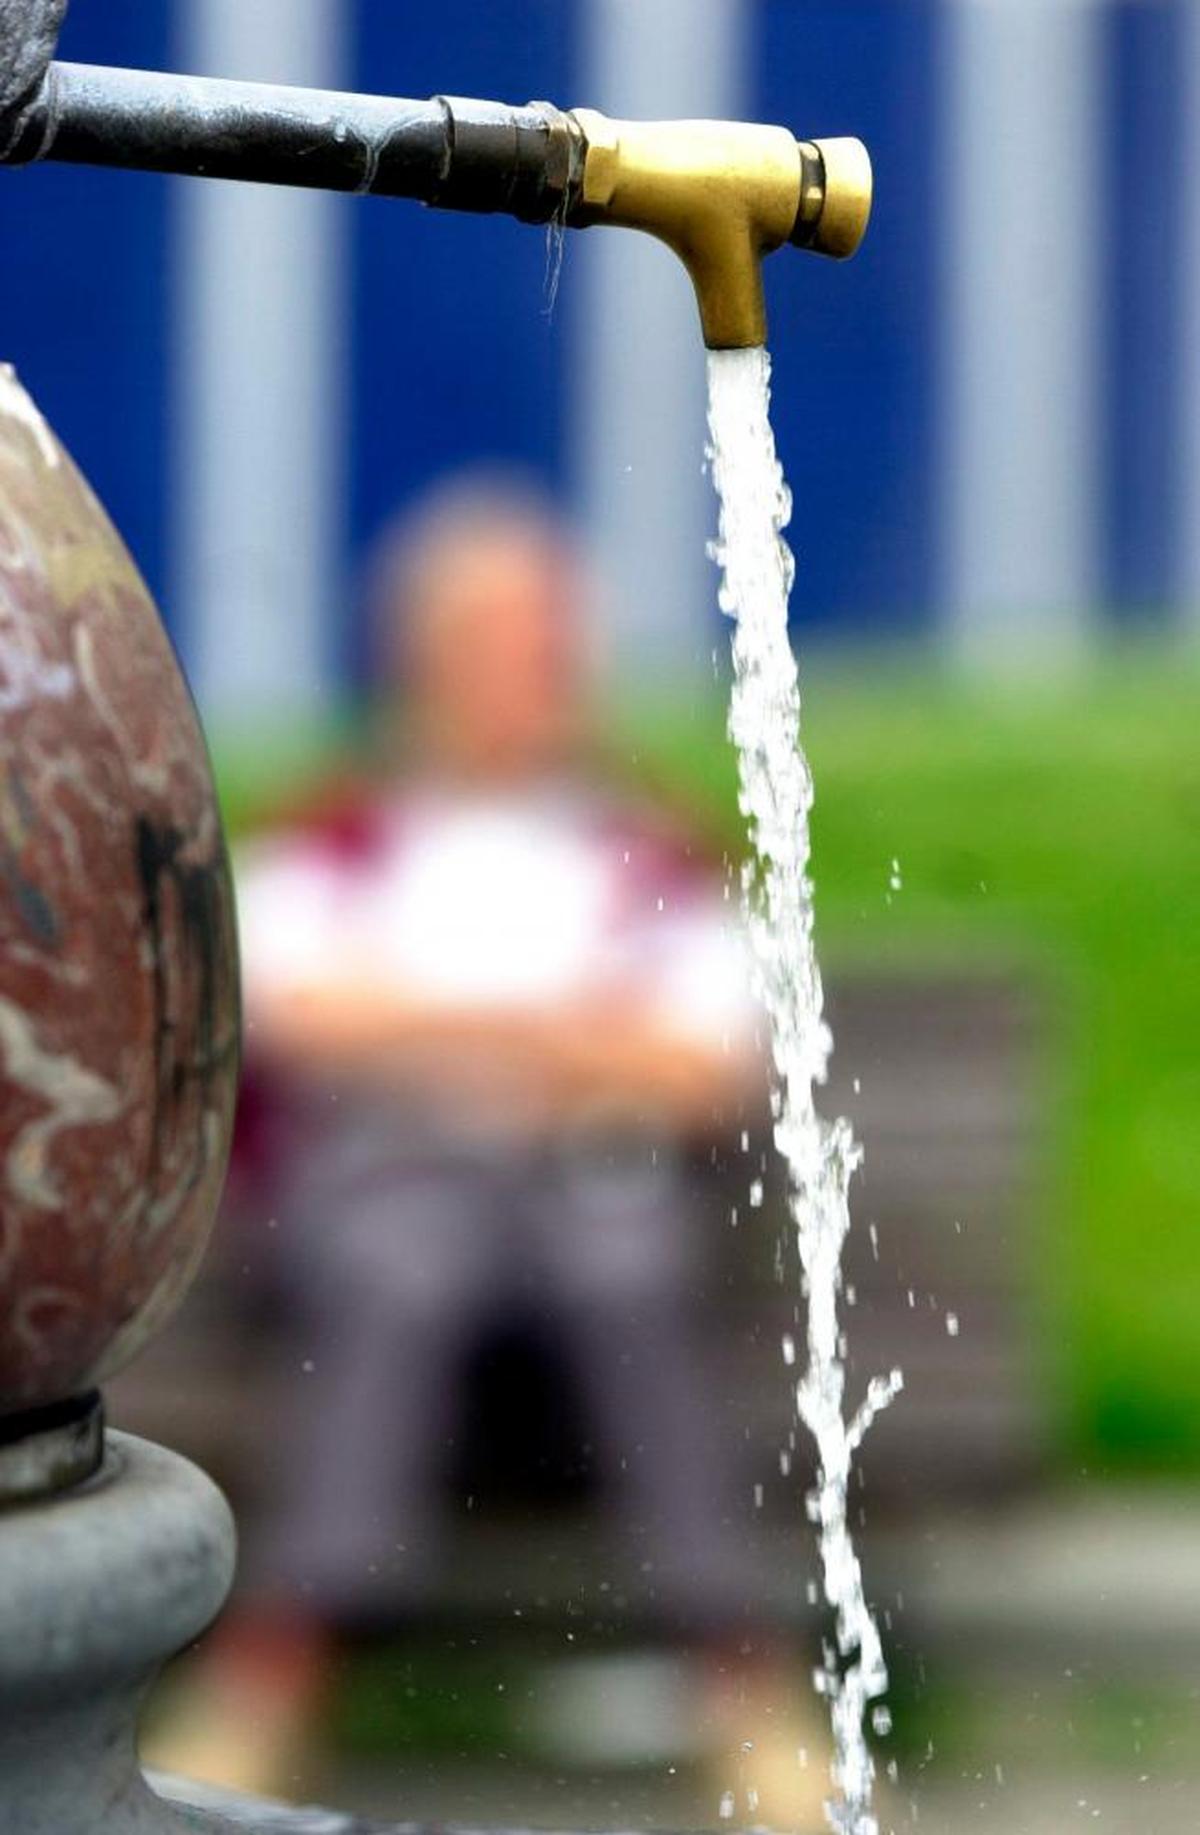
(218, 1809)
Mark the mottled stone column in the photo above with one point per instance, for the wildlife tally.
(118, 969)
(118, 1069)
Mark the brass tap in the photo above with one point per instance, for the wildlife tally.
(723, 194)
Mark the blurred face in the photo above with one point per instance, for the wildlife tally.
(494, 678)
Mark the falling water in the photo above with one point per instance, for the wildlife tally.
(776, 796)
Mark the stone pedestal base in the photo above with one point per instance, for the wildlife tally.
(99, 1585)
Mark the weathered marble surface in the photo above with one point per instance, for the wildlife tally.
(118, 972)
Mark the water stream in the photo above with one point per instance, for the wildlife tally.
(776, 794)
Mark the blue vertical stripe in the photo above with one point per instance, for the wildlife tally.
(86, 298)
(456, 358)
(1140, 169)
(855, 346)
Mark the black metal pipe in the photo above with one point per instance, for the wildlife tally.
(448, 151)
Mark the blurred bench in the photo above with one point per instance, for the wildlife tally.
(947, 1112)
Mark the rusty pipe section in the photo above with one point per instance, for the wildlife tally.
(722, 195)
(447, 151)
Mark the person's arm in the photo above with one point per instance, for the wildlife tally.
(622, 1061)
(613, 1060)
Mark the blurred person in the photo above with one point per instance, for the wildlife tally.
(498, 1000)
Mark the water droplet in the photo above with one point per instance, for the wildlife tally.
(789, 1348)
(952, 1325)
(881, 1719)
(308, 1366)
(725, 1810)
(756, 1194)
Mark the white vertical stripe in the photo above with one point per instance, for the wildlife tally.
(258, 459)
(638, 433)
(1188, 356)
(1025, 159)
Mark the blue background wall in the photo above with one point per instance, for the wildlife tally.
(856, 358)
(450, 354)
(455, 356)
(88, 296)
(1139, 275)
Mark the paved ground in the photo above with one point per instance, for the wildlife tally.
(1053, 1807)
(1056, 1807)
(1048, 1679)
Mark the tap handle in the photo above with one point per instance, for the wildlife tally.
(836, 183)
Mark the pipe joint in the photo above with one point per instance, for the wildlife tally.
(525, 161)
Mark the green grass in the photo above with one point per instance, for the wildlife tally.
(1052, 828)
(960, 1723)
(455, 1703)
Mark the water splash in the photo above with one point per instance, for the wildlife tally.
(776, 794)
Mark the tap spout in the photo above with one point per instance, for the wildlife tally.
(723, 194)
